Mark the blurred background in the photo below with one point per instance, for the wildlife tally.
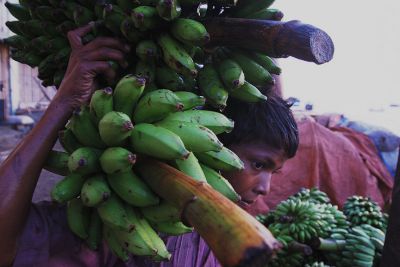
(362, 80)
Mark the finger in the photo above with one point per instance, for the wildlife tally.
(74, 36)
(103, 68)
(106, 54)
(107, 42)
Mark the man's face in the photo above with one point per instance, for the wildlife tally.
(260, 162)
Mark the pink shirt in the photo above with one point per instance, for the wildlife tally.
(47, 241)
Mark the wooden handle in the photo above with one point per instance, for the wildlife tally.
(235, 237)
(275, 38)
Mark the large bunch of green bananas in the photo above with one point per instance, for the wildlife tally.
(362, 210)
(341, 244)
(102, 142)
(167, 36)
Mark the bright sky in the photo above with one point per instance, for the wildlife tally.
(365, 70)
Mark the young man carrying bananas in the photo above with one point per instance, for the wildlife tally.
(265, 136)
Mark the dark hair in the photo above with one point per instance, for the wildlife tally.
(270, 121)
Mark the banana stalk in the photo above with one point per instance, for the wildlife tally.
(213, 216)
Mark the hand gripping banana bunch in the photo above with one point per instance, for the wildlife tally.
(106, 198)
(362, 210)
(167, 35)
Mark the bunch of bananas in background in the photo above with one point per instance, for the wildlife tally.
(164, 105)
(313, 232)
(167, 35)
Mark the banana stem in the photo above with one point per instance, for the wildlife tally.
(235, 237)
(275, 38)
(300, 247)
(327, 244)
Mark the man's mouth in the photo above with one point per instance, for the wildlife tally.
(248, 202)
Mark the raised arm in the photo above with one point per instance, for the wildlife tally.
(20, 171)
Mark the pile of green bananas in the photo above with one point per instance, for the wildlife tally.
(312, 195)
(302, 223)
(167, 36)
(362, 210)
(102, 141)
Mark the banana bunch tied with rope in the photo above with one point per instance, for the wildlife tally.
(362, 210)
(102, 142)
(167, 36)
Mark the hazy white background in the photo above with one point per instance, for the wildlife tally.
(362, 79)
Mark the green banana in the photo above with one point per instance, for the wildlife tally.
(127, 92)
(220, 184)
(18, 11)
(267, 14)
(116, 247)
(248, 93)
(190, 100)
(168, 9)
(148, 2)
(113, 214)
(65, 26)
(129, 31)
(145, 18)
(147, 50)
(231, 74)
(252, 6)
(171, 228)
(175, 55)
(83, 15)
(95, 231)
(114, 128)
(224, 160)
(101, 103)
(84, 129)
(195, 137)
(190, 31)
(254, 72)
(84, 160)
(48, 13)
(117, 160)
(126, 5)
(57, 162)
(191, 167)
(156, 105)
(212, 86)
(266, 62)
(17, 41)
(87, 3)
(149, 235)
(95, 191)
(215, 121)
(78, 217)
(58, 77)
(68, 188)
(68, 8)
(147, 70)
(128, 186)
(161, 212)
(157, 142)
(169, 79)
(16, 27)
(113, 17)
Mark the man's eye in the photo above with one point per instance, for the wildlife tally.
(258, 165)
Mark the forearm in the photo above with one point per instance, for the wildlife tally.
(20, 171)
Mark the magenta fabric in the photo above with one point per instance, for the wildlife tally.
(47, 241)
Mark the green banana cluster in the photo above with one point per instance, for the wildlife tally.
(167, 36)
(312, 194)
(102, 141)
(362, 210)
(341, 243)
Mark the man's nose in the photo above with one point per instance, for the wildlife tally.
(263, 186)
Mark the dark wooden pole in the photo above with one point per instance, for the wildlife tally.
(275, 38)
(391, 249)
